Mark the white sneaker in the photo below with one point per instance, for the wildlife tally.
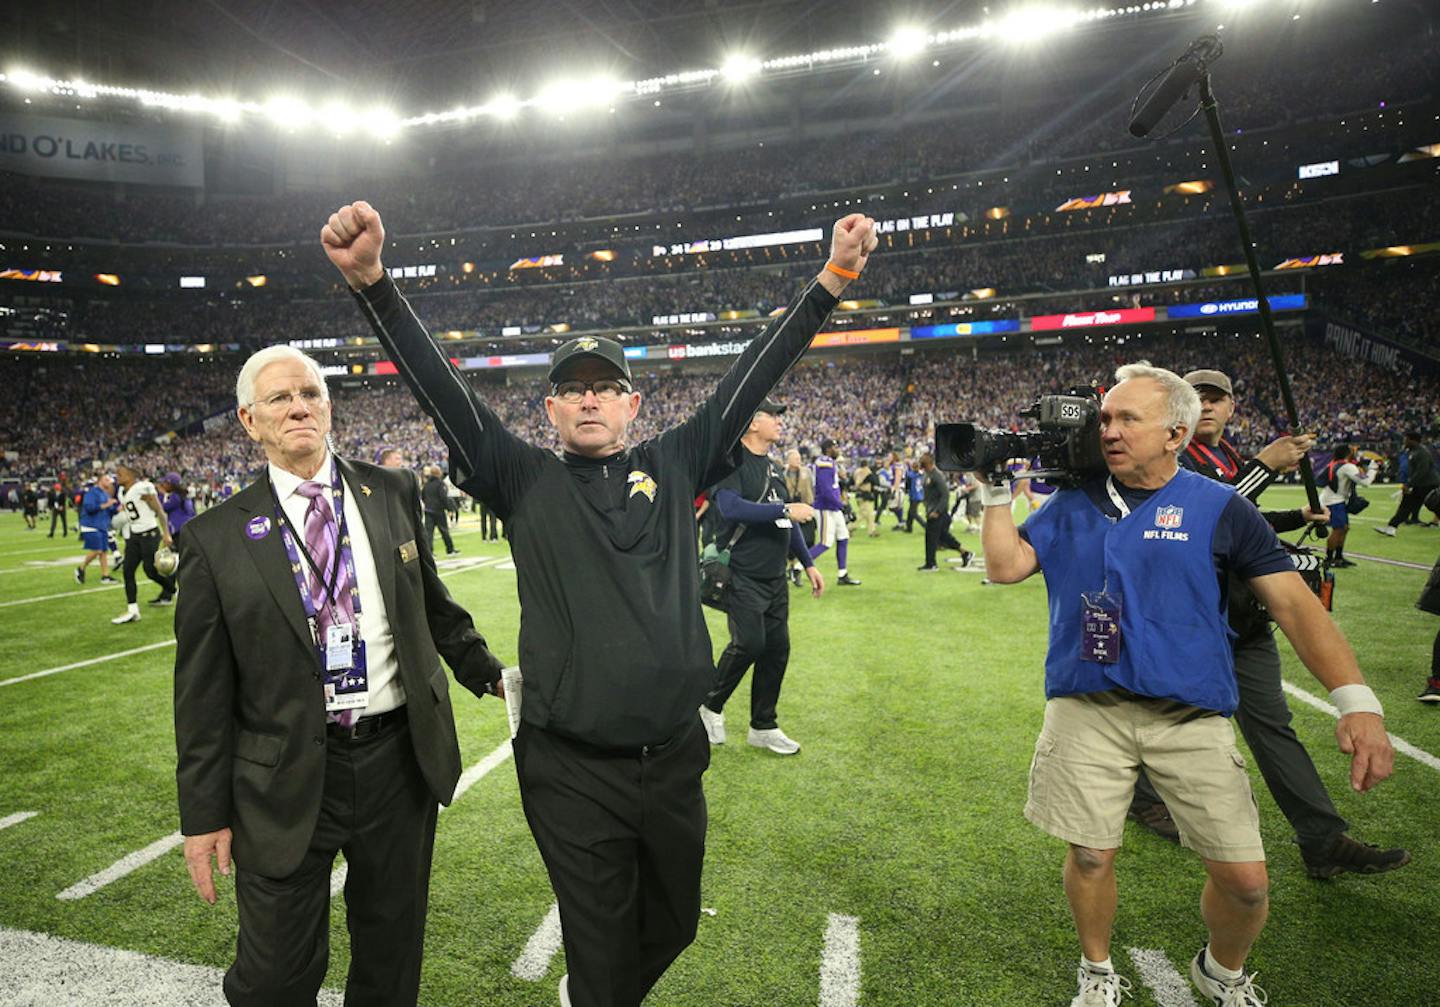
(121, 620)
(773, 739)
(565, 990)
(1385, 529)
(714, 724)
(1100, 989)
(1243, 993)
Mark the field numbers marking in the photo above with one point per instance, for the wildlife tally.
(534, 961)
(840, 962)
(1165, 982)
(121, 867)
(86, 664)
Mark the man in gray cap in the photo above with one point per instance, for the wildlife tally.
(613, 643)
(1263, 715)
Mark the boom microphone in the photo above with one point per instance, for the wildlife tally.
(1185, 71)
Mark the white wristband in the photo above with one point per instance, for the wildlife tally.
(995, 496)
(1356, 699)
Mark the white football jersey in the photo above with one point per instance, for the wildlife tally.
(132, 502)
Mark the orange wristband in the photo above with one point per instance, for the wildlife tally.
(849, 274)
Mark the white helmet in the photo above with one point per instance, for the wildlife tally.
(167, 561)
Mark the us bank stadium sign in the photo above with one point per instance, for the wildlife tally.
(139, 153)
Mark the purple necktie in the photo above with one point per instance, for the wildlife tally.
(321, 540)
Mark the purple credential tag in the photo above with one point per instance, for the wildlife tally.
(257, 527)
(1100, 629)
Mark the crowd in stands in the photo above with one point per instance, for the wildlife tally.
(66, 417)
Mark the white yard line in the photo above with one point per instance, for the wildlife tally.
(40, 969)
(86, 664)
(121, 867)
(840, 962)
(468, 779)
(1168, 986)
(17, 818)
(1401, 745)
(534, 961)
(55, 597)
(1391, 562)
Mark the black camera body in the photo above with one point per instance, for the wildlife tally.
(1067, 445)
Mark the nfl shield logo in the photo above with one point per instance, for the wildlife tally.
(1168, 517)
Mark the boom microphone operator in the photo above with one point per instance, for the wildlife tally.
(1184, 72)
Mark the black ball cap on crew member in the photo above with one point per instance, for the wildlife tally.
(585, 347)
(772, 407)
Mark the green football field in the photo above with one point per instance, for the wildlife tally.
(897, 831)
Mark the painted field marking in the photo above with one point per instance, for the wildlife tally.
(17, 818)
(534, 961)
(55, 597)
(40, 565)
(1401, 745)
(1166, 983)
(840, 962)
(468, 779)
(121, 867)
(1391, 562)
(86, 664)
(40, 969)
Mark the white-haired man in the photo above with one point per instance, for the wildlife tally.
(311, 711)
(1140, 673)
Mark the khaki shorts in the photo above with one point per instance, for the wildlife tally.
(1090, 751)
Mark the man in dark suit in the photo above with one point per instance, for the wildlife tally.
(311, 711)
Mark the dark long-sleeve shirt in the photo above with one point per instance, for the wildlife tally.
(613, 644)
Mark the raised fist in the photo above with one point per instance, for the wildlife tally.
(853, 241)
(353, 238)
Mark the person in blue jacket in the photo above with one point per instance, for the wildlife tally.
(1139, 672)
(97, 509)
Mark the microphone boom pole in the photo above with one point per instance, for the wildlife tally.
(1212, 116)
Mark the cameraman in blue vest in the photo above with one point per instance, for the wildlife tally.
(1140, 672)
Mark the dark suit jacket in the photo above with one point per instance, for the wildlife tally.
(249, 710)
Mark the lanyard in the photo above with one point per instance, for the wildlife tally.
(1222, 464)
(1116, 498)
(295, 549)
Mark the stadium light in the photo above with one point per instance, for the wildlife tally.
(739, 67)
(503, 107)
(382, 123)
(337, 117)
(287, 112)
(1027, 24)
(907, 42)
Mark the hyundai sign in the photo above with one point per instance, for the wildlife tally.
(1243, 306)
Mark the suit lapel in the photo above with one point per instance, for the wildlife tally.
(375, 511)
(267, 552)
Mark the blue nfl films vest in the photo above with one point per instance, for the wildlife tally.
(1174, 637)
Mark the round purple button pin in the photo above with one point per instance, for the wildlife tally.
(258, 527)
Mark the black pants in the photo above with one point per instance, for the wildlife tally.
(140, 549)
(911, 514)
(436, 519)
(622, 835)
(938, 536)
(378, 810)
(1409, 509)
(1435, 658)
(1264, 719)
(63, 518)
(759, 617)
(489, 524)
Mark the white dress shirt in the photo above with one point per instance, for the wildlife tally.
(382, 670)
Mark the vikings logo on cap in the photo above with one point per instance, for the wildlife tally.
(641, 483)
(585, 344)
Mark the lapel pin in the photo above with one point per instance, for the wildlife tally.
(365, 489)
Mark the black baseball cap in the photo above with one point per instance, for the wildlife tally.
(597, 347)
(770, 406)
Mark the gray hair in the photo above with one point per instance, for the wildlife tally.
(245, 383)
(1182, 401)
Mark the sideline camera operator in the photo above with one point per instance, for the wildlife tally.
(1140, 672)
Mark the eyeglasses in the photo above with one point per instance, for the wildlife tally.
(606, 390)
(312, 397)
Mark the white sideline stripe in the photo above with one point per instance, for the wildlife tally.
(64, 594)
(86, 664)
(40, 969)
(534, 961)
(840, 962)
(1167, 984)
(468, 779)
(1390, 562)
(17, 818)
(1401, 745)
(121, 867)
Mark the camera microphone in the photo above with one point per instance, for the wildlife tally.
(1185, 71)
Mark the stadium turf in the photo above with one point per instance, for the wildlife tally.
(917, 699)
